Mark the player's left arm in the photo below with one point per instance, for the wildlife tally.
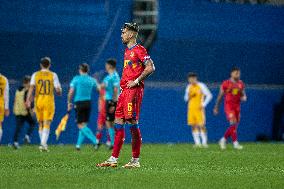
(243, 96)
(149, 69)
(6, 98)
(57, 85)
(208, 95)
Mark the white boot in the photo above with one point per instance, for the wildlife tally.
(237, 145)
(222, 143)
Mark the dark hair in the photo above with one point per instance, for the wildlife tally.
(111, 62)
(131, 26)
(26, 79)
(84, 67)
(45, 62)
(191, 74)
(235, 69)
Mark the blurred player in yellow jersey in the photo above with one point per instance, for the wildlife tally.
(45, 82)
(198, 96)
(4, 100)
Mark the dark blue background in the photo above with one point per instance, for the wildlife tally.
(195, 35)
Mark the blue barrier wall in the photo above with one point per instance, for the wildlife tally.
(210, 38)
(163, 117)
(70, 32)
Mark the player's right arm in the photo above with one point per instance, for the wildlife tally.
(218, 101)
(186, 94)
(71, 94)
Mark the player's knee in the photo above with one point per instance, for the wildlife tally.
(194, 129)
(203, 129)
(119, 121)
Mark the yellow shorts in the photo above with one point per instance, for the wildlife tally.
(44, 111)
(196, 118)
(2, 112)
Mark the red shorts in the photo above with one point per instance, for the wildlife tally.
(233, 114)
(129, 103)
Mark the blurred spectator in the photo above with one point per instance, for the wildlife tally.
(22, 113)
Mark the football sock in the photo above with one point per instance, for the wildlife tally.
(203, 137)
(195, 135)
(136, 140)
(1, 132)
(40, 132)
(228, 133)
(45, 135)
(234, 133)
(80, 139)
(89, 134)
(118, 139)
(111, 135)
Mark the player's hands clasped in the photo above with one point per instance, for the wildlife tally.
(215, 111)
(131, 84)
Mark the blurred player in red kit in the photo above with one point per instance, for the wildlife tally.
(234, 91)
(101, 121)
(137, 67)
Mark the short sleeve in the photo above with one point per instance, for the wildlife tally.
(33, 79)
(224, 86)
(186, 93)
(56, 81)
(142, 54)
(73, 83)
(116, 81)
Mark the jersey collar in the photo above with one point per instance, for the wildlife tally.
(133, 46)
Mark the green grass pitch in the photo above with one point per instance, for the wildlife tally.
(162, 166)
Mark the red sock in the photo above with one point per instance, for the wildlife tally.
(118, 141)
(99, 135)
(136, 142)
(234, 133)
(228, 133)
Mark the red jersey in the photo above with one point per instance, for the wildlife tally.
(134, 59)
(233, 92)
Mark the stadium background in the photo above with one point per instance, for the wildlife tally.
(208, 38)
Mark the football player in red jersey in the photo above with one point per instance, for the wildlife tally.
(234, 91)
(137, 67)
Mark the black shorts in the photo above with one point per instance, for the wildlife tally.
(110, 110)
(83, 111)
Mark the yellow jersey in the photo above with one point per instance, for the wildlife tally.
(4, 92)
(197, 95)
(45, 82)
